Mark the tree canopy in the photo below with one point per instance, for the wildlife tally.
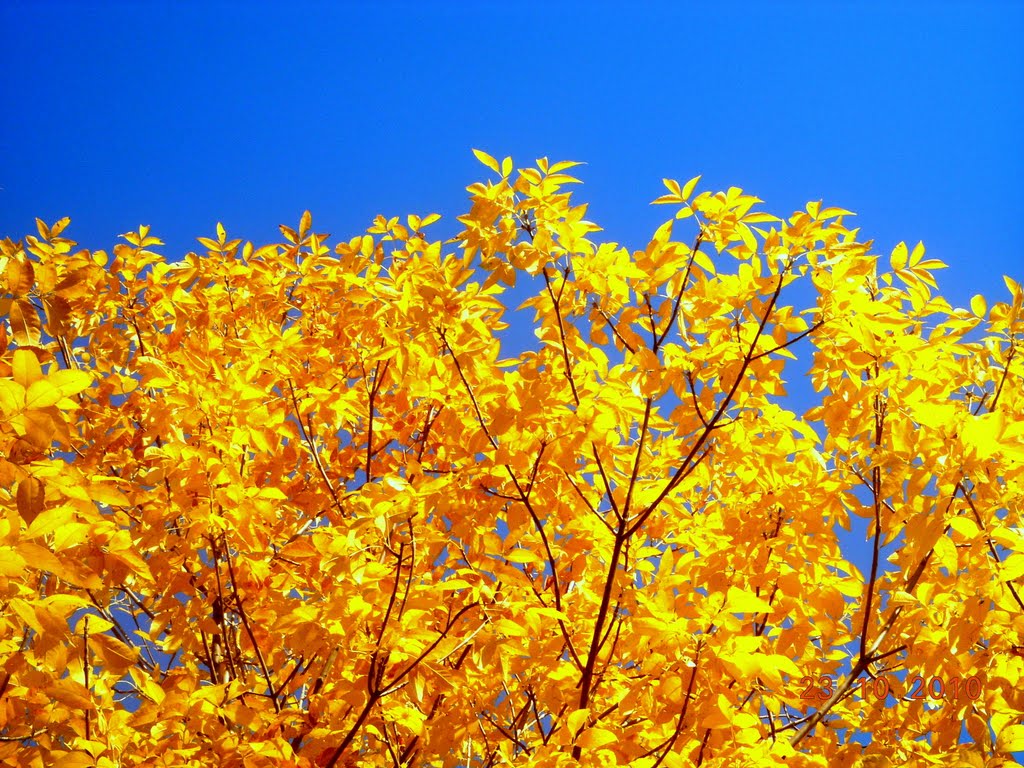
(290, 505)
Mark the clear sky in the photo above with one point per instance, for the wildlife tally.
(183, 115)
(180, 115)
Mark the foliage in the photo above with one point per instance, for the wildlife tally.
(285, 505)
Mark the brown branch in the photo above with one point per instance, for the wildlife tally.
(394, 594)
(682, 287)
(561, 333)
(523, 496)
(117, 629)
(219, 608)
(686, 467)
(790, 342)
(314, 453)
(572, 386)
(469, 391)
(693, 396)
(428, 424)
(536, 467)
(318, 684)
(876, 493)
(1002, 380)
(615, 330)
(429, 649)
(26, 737)
(377, 689)
(377, 380)
(410, 748)
(248, 628)
(667, 745)
(85, 669)
(988, 541)
(291, 676)
(214, 675)
(639, 456)
(587, 679)
(590, 506)
(412, 566)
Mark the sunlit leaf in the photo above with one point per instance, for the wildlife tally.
(309, 507)
(487, 160)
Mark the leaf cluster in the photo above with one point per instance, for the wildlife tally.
(288, 504)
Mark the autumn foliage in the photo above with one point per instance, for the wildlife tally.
(291, 505)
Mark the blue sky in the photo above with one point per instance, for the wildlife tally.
(180, 116)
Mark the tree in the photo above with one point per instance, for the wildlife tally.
(289, 506)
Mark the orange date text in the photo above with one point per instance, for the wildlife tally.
(880, 689)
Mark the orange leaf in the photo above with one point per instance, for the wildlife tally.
(30, 499)
(25, 325)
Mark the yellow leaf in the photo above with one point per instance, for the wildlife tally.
(114, 655)
(11, 563)
(1011, 739)
(72, 694)
(38, 429)
(12, 397)
(48, 521)
(744, 720)
(965, 527)
(69, 381)
(984, 432)
(563, 165)
(57, 310)
(273, 493)
(1013, 567)
(832, 212)
(26, 612)
(451, 585)
(689, 187)
(25, 367)
(487, 160)
(510, 628)
(20, 277)
(899, 257)
(720, 715)
(746, 664)
(704, 261)
(576, 720)
(1010, 538)
(595, 738)
(523, 555)
(1012, 285)
(917, 254)
(740, 601)
(154, 372)
(785, 665)
(97, 625)
(42, 394)
(104, 491)
(73, 759)
(25, 324)
(73, 283)
(748, 237)
(945, 554)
